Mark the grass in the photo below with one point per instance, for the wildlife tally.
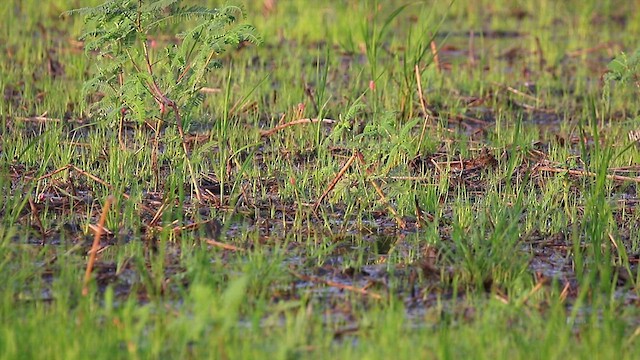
(491, 228)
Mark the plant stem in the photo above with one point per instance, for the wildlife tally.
(163, 102)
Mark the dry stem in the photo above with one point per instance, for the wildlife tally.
(94, 247)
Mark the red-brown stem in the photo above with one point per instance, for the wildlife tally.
(335, 180)
(94, 247)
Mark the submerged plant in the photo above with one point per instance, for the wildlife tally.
(142, 81)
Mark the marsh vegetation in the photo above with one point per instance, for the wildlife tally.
(374, 180)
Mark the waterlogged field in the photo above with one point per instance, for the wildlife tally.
(376, 180)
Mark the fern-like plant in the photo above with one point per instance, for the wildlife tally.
(142, 83)
(625, 69)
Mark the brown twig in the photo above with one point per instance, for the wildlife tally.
(539, 285)
(588, 173)
(95, 178)
(517, 92)
(37, 119)
(337, 285)
(223, 245)
(87, 174)
(92, 177)
(208, 90)
(580, 52)
(294, 122)
(336, 179)
(565, 292)
(412, 178)
(401, 223)
(158, 214)
(436, 58)
(94, 247)
(54, 172)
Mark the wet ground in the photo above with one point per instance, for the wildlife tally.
(274, 222)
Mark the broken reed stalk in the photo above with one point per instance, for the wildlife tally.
(222, 245)
(423, 105)
(159, 213)
(96, 243)
(436, 58)
(92, 177)
(401, 223)
(539, 285)
(294, 122)
(337, 178)
(587, 173)
(87, 174)
(358, 155)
